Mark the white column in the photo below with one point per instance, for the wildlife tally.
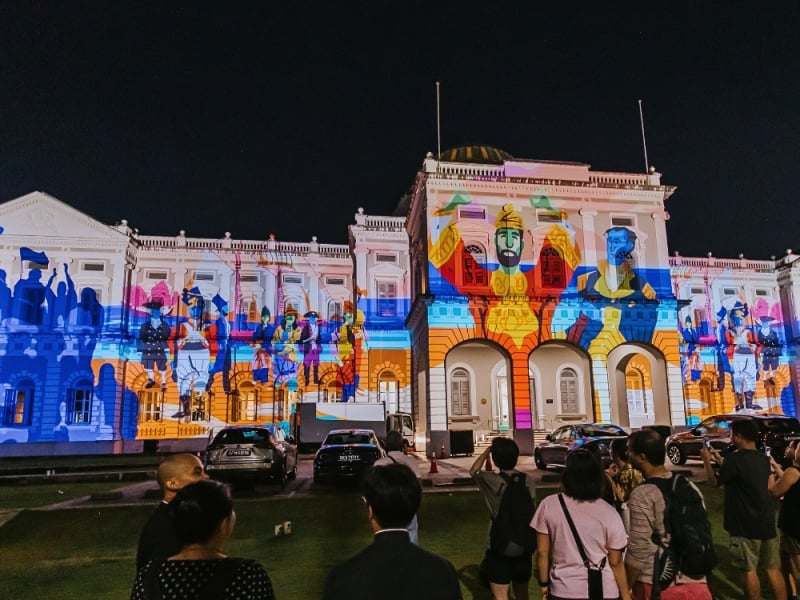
(438, 398)
(675, 391)
(662, 247)
(601, 389)
(589, 236)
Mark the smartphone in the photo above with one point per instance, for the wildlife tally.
(768, 451)
(707, 444)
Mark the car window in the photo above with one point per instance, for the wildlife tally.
(242, 436)
(781, 425)
(602, 430)
(719, 427)
(562, 434)
(350, 438)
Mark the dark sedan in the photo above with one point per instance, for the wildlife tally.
(346, 454)
(252, 454)
(595, 437)
(774, 432)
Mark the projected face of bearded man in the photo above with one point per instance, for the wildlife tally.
(508, 237)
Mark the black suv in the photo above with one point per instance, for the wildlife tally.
(775, 432)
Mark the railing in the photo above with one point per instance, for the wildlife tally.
(386, 223)
(619, 178)
(737, 264)
(271, 246)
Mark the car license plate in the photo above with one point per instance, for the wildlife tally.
(348, 457)
(239, 452)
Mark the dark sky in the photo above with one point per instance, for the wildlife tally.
(284, 117)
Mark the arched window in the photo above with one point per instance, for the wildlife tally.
(334, 310)
(552, 268)
(332, 392)
(568, 383)
(253, 314)
(79, 402)
(460, 403)
(19, 404)
(473, 265)
(634, 384)
(244, 403)
(151, 405)
(389, 391)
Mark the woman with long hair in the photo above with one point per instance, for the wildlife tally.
(586, 536)
(204, 519)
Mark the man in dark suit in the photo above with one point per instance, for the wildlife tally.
(392, 568)
(158, 540)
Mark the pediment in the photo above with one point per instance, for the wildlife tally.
(40, 215)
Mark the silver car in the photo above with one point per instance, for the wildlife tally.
(251, 454)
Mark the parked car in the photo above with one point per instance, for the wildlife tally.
(251, 454)
(595, 437)
(346, 454)
(775, 432)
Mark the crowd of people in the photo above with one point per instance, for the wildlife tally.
(605, 535)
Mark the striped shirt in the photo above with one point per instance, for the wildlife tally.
(647, 506)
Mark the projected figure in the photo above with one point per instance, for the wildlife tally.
(284, 345)
(742, 355)
(5, 296)
(770, 348)
(262, 357)
(693, 363)
(723, 364)
(90, 311)
(192, 355)
(614, 277)
(311, 338)
(513, 316)
(508, 279)
(220, 332)
(28, 299)
(348, 341)
(153, 337)
(61, 303)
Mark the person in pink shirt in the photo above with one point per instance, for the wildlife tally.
(599, 528)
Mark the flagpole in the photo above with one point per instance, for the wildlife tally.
(644, 140)
(438, 128)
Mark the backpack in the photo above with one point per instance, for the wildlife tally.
(690, 549)
(511, 534)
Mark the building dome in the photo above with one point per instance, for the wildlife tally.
(475, 153)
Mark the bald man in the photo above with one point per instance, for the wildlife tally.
(158, 541)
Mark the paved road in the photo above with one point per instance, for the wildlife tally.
(452, 474)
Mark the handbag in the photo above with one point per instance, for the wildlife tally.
(595, 573)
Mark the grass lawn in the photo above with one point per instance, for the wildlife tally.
(90, 553)
(34, 494)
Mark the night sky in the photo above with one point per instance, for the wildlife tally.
(285, 117)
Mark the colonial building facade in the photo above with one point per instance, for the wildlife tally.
(506, 294)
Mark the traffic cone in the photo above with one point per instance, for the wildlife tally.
(488, 466)
(442, 454)
(434, 468)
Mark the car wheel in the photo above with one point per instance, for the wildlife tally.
(537, 457)
(282, 474)
(676, 455)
